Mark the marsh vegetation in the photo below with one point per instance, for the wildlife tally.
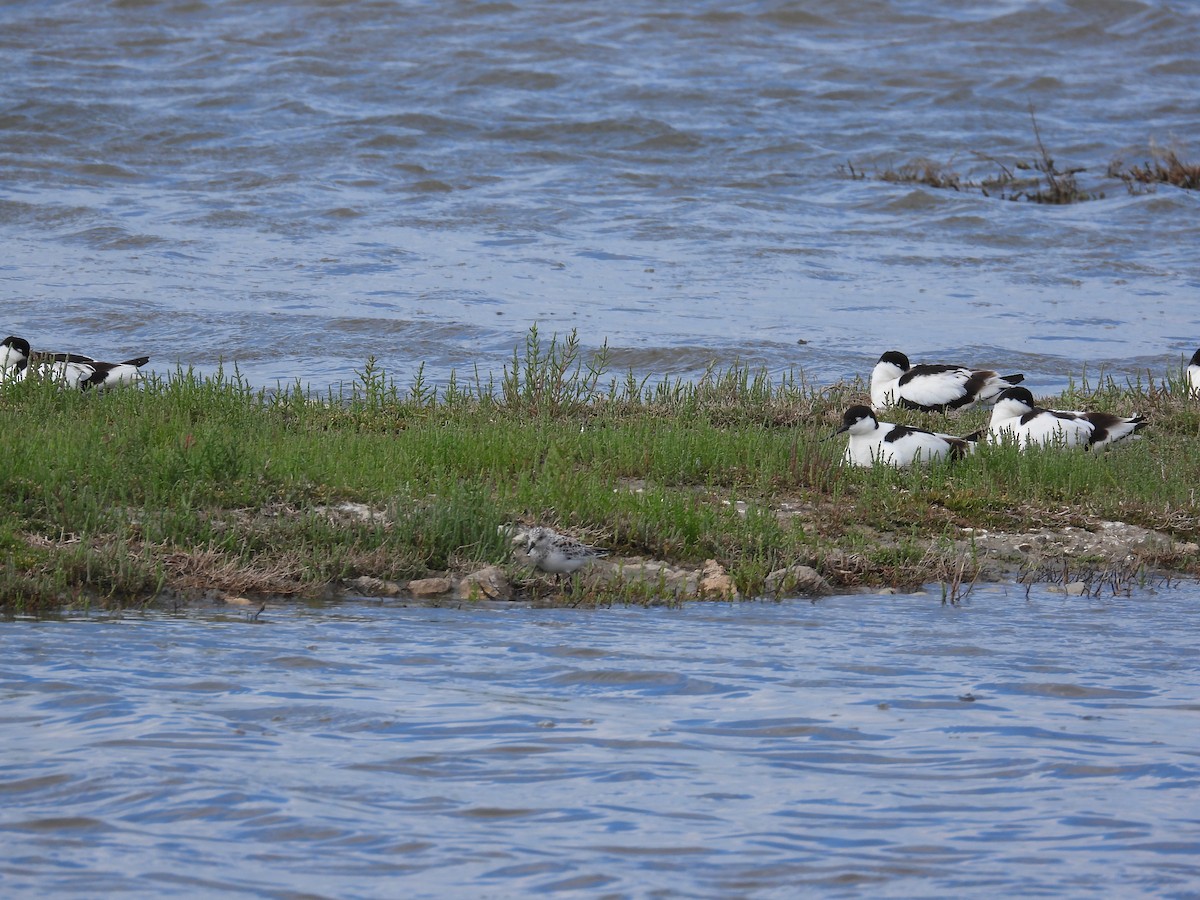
(207, 487)
(1036, 179)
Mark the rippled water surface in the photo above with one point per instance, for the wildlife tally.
(296, 186)
(860, 747)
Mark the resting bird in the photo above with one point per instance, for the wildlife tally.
(14, 357)
(880, 443)
(933, 388)
(83, 372)
(1193, 373)
(76, 371)
(1017, 417)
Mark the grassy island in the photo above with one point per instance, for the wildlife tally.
(205, 488)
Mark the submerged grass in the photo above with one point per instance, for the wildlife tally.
(205, 484)
(1038, 179)
(1165, 167)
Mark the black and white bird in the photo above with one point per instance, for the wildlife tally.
(77, 371)
(14, 358)
(933, 387)
(557, 553)
(1016, 417)
(1193, 373)
(63, 374)
(73, 370)
(875, 443)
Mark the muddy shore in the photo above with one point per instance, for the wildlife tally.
(1106, 558)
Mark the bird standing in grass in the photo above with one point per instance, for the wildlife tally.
(1017, 417)
(880, 443)
(933, 387)
(1193, 373)
(558, 554)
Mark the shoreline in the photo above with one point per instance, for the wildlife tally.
(193, 489)
(1109, 559)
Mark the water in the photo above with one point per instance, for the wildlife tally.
(296, 186)
(858, 747)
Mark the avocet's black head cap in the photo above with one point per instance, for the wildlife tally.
(854, 415)
(1195, 359)
(896, 358)
(16, 343)
(1020, 394)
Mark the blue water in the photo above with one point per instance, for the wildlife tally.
(295, 187)
(857, 747)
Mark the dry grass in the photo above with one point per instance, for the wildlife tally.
(1164, 168)
(927, 172)
(1039, 180)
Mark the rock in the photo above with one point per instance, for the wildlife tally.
(429, 587)
(715, 581)
(489, 583)
(657, 576)
(804, 581)
(1071, 588)
(368, 586)
(354, 512)
(739, 505)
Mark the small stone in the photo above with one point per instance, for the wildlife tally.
(1075, 588)
(429, 587)
(715, 581)
(356, 512)
(488, 583)
(369, 586)
(658, 578)
(800, 580)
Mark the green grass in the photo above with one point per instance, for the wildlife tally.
(191, 484)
